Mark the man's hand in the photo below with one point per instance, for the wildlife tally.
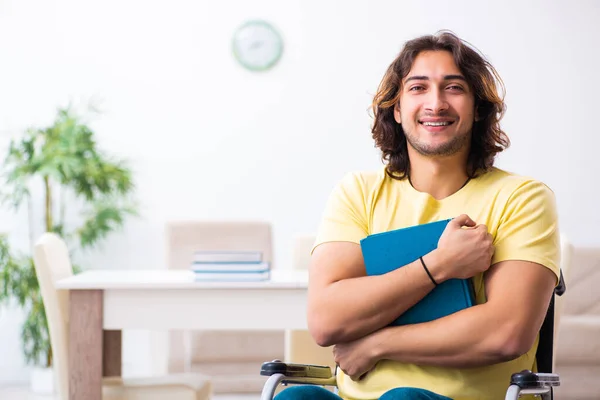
(356, 358)
(464, 250)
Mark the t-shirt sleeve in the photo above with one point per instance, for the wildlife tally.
(344, 218)
(528, 229)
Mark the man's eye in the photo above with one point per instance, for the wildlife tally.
(416, 88)
(455, 87)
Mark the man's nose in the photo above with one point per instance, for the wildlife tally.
(436, 102)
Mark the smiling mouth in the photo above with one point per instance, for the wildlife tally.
(441, 123)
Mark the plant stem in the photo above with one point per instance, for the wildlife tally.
(49, 357)
(48, 204)
(61, 196)
(30, 222)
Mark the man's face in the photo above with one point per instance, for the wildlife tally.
(436, 107)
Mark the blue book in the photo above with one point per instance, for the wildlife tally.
(387, 251)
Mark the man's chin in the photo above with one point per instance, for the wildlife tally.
(438, 149)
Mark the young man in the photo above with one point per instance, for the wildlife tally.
(437, 115)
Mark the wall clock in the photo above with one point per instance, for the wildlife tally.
(257, 45)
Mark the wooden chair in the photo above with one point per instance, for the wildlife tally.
(52, 263)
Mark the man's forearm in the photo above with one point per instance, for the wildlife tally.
(359, 306)
(470, 338)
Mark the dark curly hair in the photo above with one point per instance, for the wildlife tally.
(487, 138)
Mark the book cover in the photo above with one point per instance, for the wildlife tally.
(387, 251)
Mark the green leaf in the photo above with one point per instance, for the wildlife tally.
(66, 157)
(105, 216)
(35, 335)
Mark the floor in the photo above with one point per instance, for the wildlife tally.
(23, 393)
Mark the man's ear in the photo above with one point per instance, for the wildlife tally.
(397, 116)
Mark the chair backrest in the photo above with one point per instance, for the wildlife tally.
(52, 263)
(301, 255)
(566, 255)
(183, 239)
(548, 340)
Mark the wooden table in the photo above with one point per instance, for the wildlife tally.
(103, 302)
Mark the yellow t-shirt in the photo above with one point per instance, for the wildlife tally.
(519, 212)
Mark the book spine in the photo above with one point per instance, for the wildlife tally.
(230, 267)
(227, 256)
(233, 277)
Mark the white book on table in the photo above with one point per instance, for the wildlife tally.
(229, 267)
(233, 276)
(218, 256)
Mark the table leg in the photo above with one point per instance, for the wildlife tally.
(112, 353)
(85, 344)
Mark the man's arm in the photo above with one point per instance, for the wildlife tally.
(345, 305)
(502, 329)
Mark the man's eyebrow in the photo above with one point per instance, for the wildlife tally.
(454, 77)
(426, 78)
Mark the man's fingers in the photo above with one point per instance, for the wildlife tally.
(482, 227)
(462, 220)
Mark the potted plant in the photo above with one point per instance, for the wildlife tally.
(65, 161)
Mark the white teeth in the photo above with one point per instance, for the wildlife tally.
(445, 123)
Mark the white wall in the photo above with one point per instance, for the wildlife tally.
(209, 140)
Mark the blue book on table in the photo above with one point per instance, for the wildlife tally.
(387, 251)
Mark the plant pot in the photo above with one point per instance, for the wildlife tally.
(42, 380)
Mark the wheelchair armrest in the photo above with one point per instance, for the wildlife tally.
(531, 380)
(287, 373)
(527, 382)
(290, 370)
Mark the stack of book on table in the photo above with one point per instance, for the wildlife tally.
(230, 266)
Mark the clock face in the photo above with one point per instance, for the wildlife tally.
(257, 45)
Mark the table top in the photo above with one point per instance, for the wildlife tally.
(174, 279)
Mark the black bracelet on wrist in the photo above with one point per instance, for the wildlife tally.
(428, 273)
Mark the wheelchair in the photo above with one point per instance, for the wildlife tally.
(539, 383)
